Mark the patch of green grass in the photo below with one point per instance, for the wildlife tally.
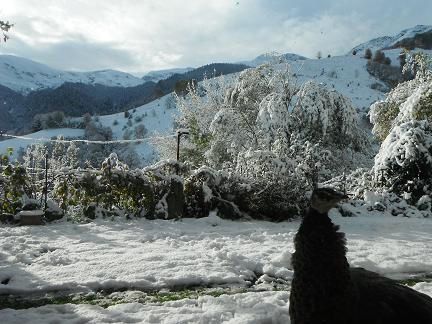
(416, 279)
(105, 300)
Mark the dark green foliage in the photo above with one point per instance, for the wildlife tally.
(108, 189)
(207, 71)
(140, 131)
(420, 40)
(55, 119)
(234, 196)
(390, 75)
(379, 56)
(182, 87)
(13, 185)
(368, 54)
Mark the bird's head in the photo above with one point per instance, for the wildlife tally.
(324, 199)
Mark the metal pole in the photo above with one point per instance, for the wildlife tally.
(178, 146)
(46, 182)
(179, 134)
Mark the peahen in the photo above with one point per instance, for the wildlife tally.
(326, 290)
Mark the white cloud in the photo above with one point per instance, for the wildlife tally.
(153, 34)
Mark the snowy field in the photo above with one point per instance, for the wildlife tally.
(142, 256)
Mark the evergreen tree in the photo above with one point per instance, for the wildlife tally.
(368, 54)
(379, 56)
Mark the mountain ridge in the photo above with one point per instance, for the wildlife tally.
(402, 39)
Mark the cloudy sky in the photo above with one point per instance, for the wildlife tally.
(142, 35)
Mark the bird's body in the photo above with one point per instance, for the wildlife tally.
(326, 290)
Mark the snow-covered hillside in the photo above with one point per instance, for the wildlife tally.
(346, 74)
(24, 75)
(390, 41)
(158, 75)
(273, 57)
(156, 116)
(38, 137)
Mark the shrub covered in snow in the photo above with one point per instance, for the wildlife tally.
(114, 186)
(235, 196)
(404, 122)
(405, 160)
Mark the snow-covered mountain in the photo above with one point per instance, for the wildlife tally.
(273, 57)
(24, 75)
(346, 74)
(388, 42)
(158, 75)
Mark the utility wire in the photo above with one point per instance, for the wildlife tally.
(42, 139)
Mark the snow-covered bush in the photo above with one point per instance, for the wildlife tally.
(235, 196)
(405, 160)
(404, 122)
(113, 186)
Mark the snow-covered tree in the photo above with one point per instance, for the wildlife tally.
(239, 126)
(197, 110)
(277, 135)
(403, 121)
(409, 101)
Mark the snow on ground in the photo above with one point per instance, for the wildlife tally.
(262, 307)
(143, 254)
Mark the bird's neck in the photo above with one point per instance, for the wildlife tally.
(321, 289)
(322, 237)
(320, 256)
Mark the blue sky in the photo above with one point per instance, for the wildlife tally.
(138, 36)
